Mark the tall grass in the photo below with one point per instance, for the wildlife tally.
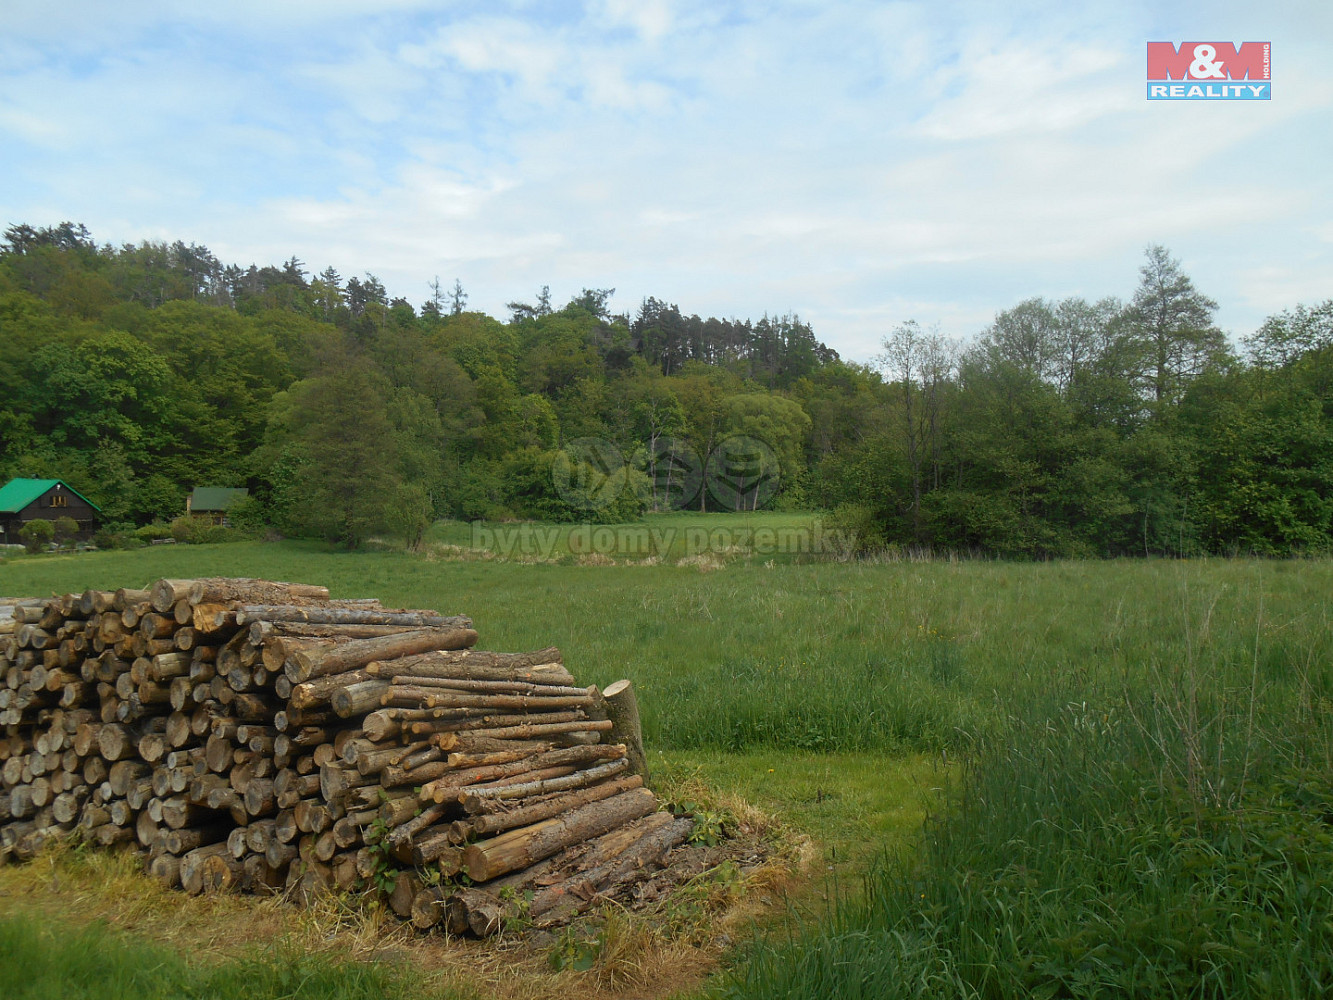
(1172, 839)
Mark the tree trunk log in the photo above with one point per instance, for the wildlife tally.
(358, 699)
(307, 659)
(559, 903)
(527, 815)
(527, 845)
(449, 786)
(622, 709)
(317, 615)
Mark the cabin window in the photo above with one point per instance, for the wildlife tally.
(59, 500)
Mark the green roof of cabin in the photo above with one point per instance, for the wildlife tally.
(18, 493)
(215, 497)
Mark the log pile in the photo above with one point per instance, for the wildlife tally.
(252, 735)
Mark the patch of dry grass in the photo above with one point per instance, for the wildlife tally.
(667, 948)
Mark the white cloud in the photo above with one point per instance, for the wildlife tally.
(857, 162)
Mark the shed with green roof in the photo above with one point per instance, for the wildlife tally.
(211, 502)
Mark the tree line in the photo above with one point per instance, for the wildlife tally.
(1064, 428)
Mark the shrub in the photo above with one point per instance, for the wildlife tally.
(248, 516)
(66, 528)
(410, 514)
(859, 527)
(36, 534)
(117, 535)
(196, 531)
(153, 532)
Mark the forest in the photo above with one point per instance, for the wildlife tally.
(1063, 428)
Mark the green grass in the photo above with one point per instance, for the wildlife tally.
(853, 806)
(95, 962)
(1144, 746)
(824, 657)
(674, 536)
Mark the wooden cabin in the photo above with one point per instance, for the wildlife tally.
(24, 500)
(210, 503)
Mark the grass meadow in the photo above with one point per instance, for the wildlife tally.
(1066, 779)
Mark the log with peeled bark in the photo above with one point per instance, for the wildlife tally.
(449, 740)
(399, 777)
(578, 857)
(474, 799)
(263, 631)
(526, 845)
(404, 832)
(507, 756)
(212, 619)
(498, 822)
(400, 696)
(622, 854)
(330, 615)
(479, 665)
(510, 687)
(481, 658)
(452, 783)
(310, 658)
(444, 720)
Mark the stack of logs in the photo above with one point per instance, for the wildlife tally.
(253, 735)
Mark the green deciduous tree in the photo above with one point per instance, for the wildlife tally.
(347, 477)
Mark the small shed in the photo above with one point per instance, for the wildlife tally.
(210, 503)
(24, 500)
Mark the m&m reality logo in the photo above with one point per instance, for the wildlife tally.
(1209, 71)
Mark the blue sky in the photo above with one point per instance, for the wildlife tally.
(857, 163)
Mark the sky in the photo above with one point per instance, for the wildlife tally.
(857, 163)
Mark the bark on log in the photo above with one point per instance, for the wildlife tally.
(475, 910)
(527, 845)
(358, 699)
(557, 904)
(307, 659)
(622, 709)
(528, 732)
(473, 799)
(527, 815)
(445, 698)
(324, 615)
(444, 788)
(262, 631)
(313, 693)
(191, 866)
